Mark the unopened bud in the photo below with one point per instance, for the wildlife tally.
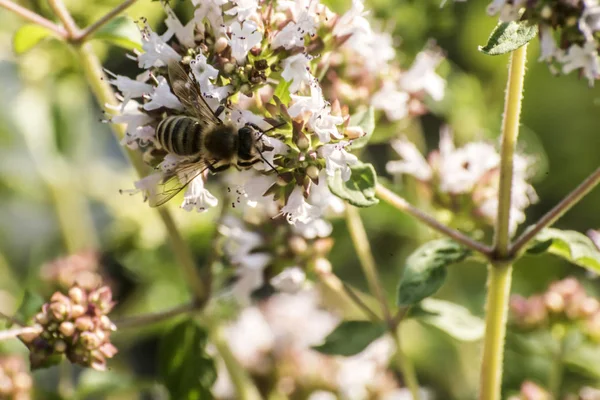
(354, 132)
(589, 306)
(67, 328)
(41, 318)
(312, 171)
(245, 89)
(106, 324)
(77, 310)
(546, 12)
(298, 245)
(84, 323)
(221, 44)
(60, 346)
(554, 301)
(228, 68)
(255, 51)
(303, 143)
(89, 340)
(60, 311)
(322, 266)
(77, 295)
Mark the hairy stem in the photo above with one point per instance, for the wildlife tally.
(245, 388)
(499, 272)
(499, 281)
(510, 132)
(401, 204)
(105, 96)
(367, 262)
(13, 333)
(33, 17)
(88, 31)
(65, 17)
(558, 211)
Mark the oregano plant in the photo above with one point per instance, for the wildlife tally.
(279, 154)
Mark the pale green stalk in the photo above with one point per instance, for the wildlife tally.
(499, 278)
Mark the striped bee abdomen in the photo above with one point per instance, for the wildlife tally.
(180, 135)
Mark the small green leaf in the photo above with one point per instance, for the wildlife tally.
(425, 270)
(450, 318)
(359, 190)
(186, 370)
(282, 90)
(27, 36)
(570, 245)
(366, 120)
(584, 361)
(351, 337)
(539, 247)
(508, 36)
(30, 306)
(121, 32)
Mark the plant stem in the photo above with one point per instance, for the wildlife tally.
(510, 132)
(33, 17)
(13, 333)
(558, 211)
(153, 318)
(245, 388)
(367, 263)
(365, 256)
(393, 199)
(104, 95)
(65, 17)
(499, 272)
(556, 373)
(499, 281)
(86, 32)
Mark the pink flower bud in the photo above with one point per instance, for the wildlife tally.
(554, 301)
(354, 132)
(108, 350)
(77, 310)
(89, 340)
(221, 44)
(106, 324)
(77, 295)
(60, 311)
(67, 328)
(41, 318)
(84, 323)
(60, 346)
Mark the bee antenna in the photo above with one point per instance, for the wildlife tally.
(268, 163)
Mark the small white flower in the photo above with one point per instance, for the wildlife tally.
(209, 10)
(318, 228)
(138, 131)
(243, 8)
(148, 185)
(548, 49)
(585, 58)
(297, 209)
(198, 197)
(249, 337)
(184, 34)
(157, 52)
(320, 120)
(392, 101)
(129, 88)
(290, 280)
(243, 37)
(589, 22)
(338, 159)
(292, 35)
(321, 197)
(248, 186)
(412, 163)
(162, 97)
(353, 21)
(422, 77)
(296, 69)
(205, 74)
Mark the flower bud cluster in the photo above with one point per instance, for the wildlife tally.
(565, 301)
(569, 31)
(261, 61)
(464, 180)
(81, 268)
(75, 325)
(15, 381)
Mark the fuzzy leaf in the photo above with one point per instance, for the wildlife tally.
(186, 370)
(282, 91)
(366, 120)
(351, 337)
(508, 36)
(27, 36)
(570, 245)
(30, 306)
(121, 32)
(425, 270)
(450, 318)
(359, 190)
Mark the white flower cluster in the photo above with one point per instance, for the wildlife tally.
(573, 25)
(241, 53)
(471, 171)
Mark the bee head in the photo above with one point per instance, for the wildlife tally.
(248, 144)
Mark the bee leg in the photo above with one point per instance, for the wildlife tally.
(219, 111)
(220, 168)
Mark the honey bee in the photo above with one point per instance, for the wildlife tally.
(201, 137)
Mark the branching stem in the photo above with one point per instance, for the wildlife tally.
(88, 31)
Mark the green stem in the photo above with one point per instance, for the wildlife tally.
(510, 132)
(401, 204)
(104, 95)
(245, 388)
(558, 211)
(367, 263)
(556, 373)
(65, 17)
(33, 17)
(499, 281)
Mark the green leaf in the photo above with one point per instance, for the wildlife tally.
(450, 318)
(351, 337)
(425, 270)
(570, 245)
(508, 36)
(94, 383)
(366, 120)
(186, 370)
(359, 190)
(30, 306)
(27, 36)
(584, 361)
(121, 32)
(282, 91)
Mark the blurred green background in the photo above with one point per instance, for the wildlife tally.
(61, 171)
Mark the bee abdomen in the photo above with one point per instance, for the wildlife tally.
(180, 135)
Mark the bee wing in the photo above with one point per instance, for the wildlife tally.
(188, 92)
(174, 182)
